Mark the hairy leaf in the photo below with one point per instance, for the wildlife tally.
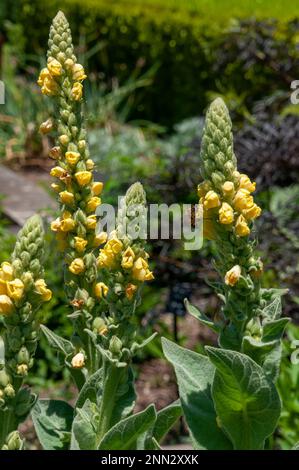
(195, 376)
(52, 421)
(124, 435)
(201, 316)
(85, 427)
(246, 401)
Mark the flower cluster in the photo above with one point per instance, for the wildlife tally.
(22, 291)
(123, 257)
(78, 193)
(229, 211)
(225, 194)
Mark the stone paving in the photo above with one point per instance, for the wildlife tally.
(22, 197)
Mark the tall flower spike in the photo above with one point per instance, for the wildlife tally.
(23, 290)
(124, 264)
(229, 211)
(78, 194)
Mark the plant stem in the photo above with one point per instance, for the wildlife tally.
(7, 425)
(112, 376)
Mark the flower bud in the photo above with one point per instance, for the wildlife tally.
(78, 361)
(100, 290)
(226, 214)
(6, 305)
(76, 92)
(100, 238)
(233, 275)
(46, 126)
(77, 266)
(115, 345)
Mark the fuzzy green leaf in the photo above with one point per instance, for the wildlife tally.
(166, 418)
(57, 342)
(85, 427)
(246, 401)
(124, 435)
(195, 376)
(273, 330)
(52, 421)
(201, 317)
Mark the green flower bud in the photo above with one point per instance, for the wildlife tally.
(5, 378)
(115, 345)
(14, 441)
(9, 391)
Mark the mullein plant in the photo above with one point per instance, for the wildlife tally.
(104, 274)
(229, 395)
(23, 290)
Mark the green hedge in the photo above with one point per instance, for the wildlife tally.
(179, 36)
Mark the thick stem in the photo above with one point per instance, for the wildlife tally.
(112, 376)
(7, 425)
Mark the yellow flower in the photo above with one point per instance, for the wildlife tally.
(241, 228)
(243, 200)
(44, 73)
(130, 291)
(97, 188)
(6, 305)
(66, 197)
(83, 177)
(89, 164)
(100, 238)
(245, 183)
(76, 92)
(78, 361)
(15, 289)
(105, 259)
(228, 188)
(78, 73)
(77, 266)
(67, 224)
(55, 68)
(209, 229)
(100, 290)
(42, 289)
(128, 258)
(253, 212)
(93, 203)
(233, 275)
(211, 200)
(56, 225)
(57, 171)
(6, 271)
(114, 245)
(80, 244)
(46, 126)
(91, 222)
(72, 157)
(49, 87)
(226, 214)
(140, 270)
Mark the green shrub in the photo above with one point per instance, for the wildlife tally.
(183, 39)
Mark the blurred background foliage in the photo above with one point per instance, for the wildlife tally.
(153, 67)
